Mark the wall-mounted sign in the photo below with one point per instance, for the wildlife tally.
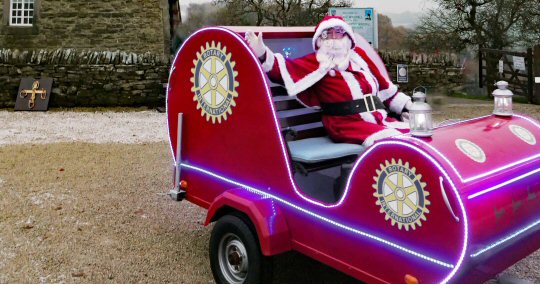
(501, 66)
(362, 20)
(402, 73)
(519, 63)
(34, 94)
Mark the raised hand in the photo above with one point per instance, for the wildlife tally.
(256, 43)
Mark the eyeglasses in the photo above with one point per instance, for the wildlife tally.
(333, 33)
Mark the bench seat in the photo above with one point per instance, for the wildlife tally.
(308, 144)
(319, 149)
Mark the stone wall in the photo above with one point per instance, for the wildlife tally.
(87, 78)
(104, 78)
(442, 71)
(131, 25)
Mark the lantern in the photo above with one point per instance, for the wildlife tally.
(503, 99)
(420, 119)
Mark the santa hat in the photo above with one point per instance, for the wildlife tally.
(330, 22)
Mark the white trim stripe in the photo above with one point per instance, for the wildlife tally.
(359, 62)
(354, 86)
(294, 88)
(388, 93)
(504, 240)
(368, 117)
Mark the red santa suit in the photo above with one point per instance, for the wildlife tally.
(316, 85)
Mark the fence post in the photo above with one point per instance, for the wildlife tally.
(536, 63)
(480, 65)
(530, 76)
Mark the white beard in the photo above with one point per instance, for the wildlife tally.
(334, 53)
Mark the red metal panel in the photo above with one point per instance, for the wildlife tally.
(246, 145)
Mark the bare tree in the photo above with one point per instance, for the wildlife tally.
(281, 12)
(530, 26)
(480, 23)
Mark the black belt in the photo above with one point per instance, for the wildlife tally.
(368, 104)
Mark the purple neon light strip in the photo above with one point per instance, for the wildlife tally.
(482, 175)
(504, 240)
(482, 192)
(441, 169)
(317, 216)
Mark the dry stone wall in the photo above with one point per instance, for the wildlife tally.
(118, 78)
(87, 78)
(443, 71)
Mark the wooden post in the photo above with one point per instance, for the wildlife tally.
(530, 76)
(481, 71)
(536, 63)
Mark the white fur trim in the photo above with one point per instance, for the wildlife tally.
(354, 87)
(330, 24)
(371, 80)
(294, 88)
(397, 124)
(358, 62)
(387, 93)
(398, 102)
(385, 133)
(268, 61)
(368, 117)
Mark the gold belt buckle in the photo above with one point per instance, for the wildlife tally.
(372, 103)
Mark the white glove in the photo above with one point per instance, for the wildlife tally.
(256, 43)
(408, 106)
(405, 116)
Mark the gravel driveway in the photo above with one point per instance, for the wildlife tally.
(81, 198)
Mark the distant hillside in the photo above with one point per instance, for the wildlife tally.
(406, 19)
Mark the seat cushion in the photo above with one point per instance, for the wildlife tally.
(318, 149)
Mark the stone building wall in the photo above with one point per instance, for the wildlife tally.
(86, 78)
(129, 25)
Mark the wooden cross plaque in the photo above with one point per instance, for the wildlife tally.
(34, 94)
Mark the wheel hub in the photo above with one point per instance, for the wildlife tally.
(233, 259)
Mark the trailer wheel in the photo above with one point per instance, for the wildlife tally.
(235, 255)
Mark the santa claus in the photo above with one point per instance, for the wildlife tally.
(342, 80)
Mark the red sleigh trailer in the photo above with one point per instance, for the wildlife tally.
(457, 207)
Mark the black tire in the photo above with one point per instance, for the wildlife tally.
(235, 254)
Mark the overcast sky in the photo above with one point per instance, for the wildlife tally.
(383, 6)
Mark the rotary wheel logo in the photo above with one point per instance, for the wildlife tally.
(214, 82)
(401, 194)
